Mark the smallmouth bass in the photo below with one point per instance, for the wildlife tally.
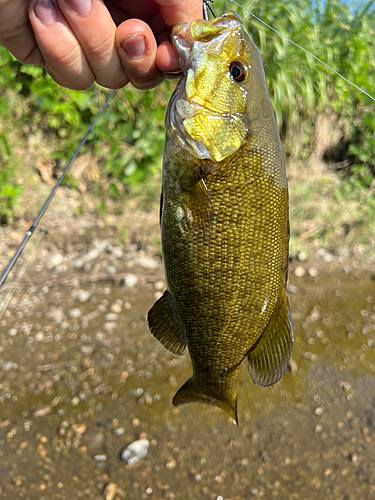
(224, 218)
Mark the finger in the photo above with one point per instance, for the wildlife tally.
(64, 58)
(137, 49)
(173, 12)
(95, 30)
(16, 34)
(167, 61)
(180, 11)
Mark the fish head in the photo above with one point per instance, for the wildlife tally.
(209, 112)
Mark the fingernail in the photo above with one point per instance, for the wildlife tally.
(80, 7)
(134, 45)
(46, 12)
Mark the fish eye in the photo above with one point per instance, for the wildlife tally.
(237, 71)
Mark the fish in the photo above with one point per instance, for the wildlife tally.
(224, 218)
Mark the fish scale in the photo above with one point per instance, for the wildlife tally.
(224, 220)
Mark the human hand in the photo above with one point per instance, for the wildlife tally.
(110, 42)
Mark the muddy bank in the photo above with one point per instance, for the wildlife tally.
(81, 378)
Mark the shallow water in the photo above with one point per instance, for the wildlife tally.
(75, 390)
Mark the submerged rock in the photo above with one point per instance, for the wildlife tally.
(135, 451)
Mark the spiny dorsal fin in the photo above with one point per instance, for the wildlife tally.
(190, 393)
(268, 362)
(164, 326)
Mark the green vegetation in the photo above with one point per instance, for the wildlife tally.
(327, 126)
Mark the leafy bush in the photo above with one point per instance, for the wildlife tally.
(128, 141)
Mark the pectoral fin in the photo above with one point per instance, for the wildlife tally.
(197, 206)
(164, 326)
(269, 360)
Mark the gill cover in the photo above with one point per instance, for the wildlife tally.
(209, 109)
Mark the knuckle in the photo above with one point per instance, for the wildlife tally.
(113, 85)
(148, 84)
(103, 50)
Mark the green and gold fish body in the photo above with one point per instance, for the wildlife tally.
(224, 218)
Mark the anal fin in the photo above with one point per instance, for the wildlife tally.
(269, 360)
(164, 326)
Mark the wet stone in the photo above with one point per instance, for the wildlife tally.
(129, 281)
(79, 262)
(313, 272)
(92, 254)
(75, 313)
(299, 271)
(116, 307)
(110, 326)
(110, 491)
(111, 269)
(117, 252)
(291, 288)
(9, 365)
(55, 261)
(159, 285)
(147, 262)
(111, 317)
(42, 412)
(135, 451)
(79, 428)
(86, 350)
(81, 295)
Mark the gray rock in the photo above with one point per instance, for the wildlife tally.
(111, 317)
(75, 313)
(86, 350)
(302, 256)
(129, 281)
(147, 262)
(299, 271)
(159, 285)
(117, 252)
(111, 269)
(313, 272)
(291, 288)
(92, 254)
(81, 295)
(79, 262)
(55, 261)
(135, 451)
(9, 365)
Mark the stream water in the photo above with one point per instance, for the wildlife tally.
(81, 378)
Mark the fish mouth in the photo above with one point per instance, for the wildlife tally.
(182, 42)
(184, 35)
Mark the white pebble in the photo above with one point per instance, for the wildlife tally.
(135, 451)
(299, 271)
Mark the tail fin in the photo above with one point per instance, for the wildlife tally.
(190, 393)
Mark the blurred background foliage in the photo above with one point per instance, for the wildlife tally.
(327, 126)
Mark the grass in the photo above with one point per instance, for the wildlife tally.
(327, 127)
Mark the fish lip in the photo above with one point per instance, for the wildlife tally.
(182, 42)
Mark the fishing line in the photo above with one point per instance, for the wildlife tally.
(306, 51)
(206, 5)
(20, 275)
(30, 232)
